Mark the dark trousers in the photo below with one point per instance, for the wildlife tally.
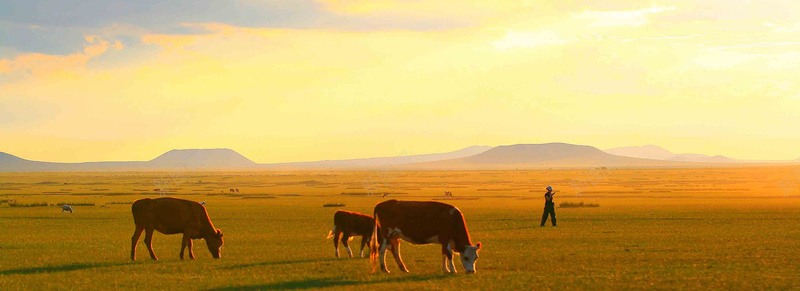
(552, 212)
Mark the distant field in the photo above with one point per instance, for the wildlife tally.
(736, 228)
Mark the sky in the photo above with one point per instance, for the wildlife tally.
(301, 80)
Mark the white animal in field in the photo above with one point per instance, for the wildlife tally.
(448, 195)
(66, 208)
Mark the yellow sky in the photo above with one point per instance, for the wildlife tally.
(718, 77)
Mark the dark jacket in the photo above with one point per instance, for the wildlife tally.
(548, 200)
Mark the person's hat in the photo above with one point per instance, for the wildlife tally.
(549, 188)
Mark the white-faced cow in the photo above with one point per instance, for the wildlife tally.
(422, 223)
(172, 216)
(349, 224)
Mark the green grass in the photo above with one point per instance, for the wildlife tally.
(75, 204)
(40, 204)
(333, 205)
(279, 243)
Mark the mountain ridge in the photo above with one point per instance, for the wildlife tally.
(651, 151)
(516, 156)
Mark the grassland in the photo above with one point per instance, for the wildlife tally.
(693, 228)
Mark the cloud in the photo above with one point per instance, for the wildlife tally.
(760, 47)
(788, 28)
(514, 39)
(630, 18)
(37, 64)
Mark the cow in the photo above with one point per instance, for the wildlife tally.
(232, 191)
(448, 195)
(66, 208)
(422, 222)
(172, 216)
(350, 224)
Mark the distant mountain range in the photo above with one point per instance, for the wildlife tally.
(658, 153)
(222, 159)
(539, 156)
(381, 162)
(191, 158)
(519, 156)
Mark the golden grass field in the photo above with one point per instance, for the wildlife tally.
(735, 228)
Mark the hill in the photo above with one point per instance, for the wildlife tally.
(658, 153)
(193, 158)
(548, 155)
(202, 158)
(380, 162)
(221, 159)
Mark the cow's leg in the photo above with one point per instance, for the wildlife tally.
(345, 238)
(364, 241)
(449, 248)
(134, 240)
(190, 245)
(184, 242)
(447, 254)
(396, 252)
(444, 264)
(148, 240)
(336, 243)
(384, 243)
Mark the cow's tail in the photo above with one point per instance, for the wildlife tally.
(330, 233)
(373, 243)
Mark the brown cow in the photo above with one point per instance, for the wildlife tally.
(351, 224)
(172, 216)
(422, 223)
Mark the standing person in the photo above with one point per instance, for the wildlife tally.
(549, 207)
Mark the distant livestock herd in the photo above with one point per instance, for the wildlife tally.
(416, 222)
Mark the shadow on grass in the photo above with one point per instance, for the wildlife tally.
(278, 263)
(332, 282)
(60, 268)
(532, 226)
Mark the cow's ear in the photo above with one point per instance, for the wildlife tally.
(219, 233)
(479, 246)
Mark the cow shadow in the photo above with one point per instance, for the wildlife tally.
(278, 263)
(59, 268)
(317, 283)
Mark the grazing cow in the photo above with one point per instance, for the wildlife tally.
(172, 216)
(350, 224)
(237, 190)
(231, 190)
(448, 195)
(420, 222)
(66, 208)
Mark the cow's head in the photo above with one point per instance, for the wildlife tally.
(214, 243)
(469, 256)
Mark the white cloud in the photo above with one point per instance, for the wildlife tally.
(792, 27)
(633, 18)
(751, 45)
(515, 39)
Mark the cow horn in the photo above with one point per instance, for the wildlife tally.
(219, 233)
(479, 246)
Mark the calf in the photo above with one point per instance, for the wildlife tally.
(172, 216)
(351, 224)
(422, 223)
